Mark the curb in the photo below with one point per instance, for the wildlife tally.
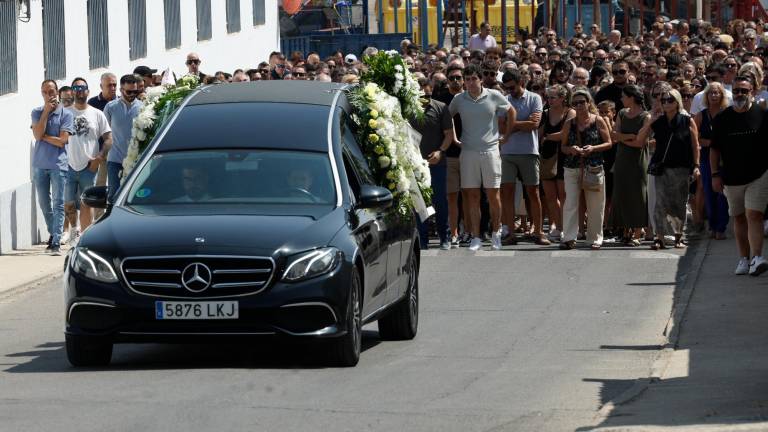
(671, 335)
(7, 293)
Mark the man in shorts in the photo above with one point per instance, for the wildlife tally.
(90, 125)
(738, 149)
(480, 160)
(520, 156)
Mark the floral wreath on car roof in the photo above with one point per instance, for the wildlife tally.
(159, 104)
(387, 96)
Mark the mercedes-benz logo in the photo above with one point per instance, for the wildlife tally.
(196, 277)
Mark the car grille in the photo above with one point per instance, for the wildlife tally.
(197, 276)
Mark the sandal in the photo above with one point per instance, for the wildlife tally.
(595, 247)
(632, 243)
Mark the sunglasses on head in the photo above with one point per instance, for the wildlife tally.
(79, 88)
(189, 62)
(741, 91)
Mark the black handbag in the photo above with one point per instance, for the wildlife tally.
(657, 168)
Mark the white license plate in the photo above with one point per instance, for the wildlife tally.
(196, 310)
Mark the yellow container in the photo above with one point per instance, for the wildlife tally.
(494, 18)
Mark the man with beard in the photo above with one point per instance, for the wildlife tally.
(436, 129)
(120, 114)
(84, 155)
(738, 149)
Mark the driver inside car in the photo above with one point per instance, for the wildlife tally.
(195, 182)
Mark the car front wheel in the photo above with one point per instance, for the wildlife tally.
(345, 351)
(402, 322)
(88, 351)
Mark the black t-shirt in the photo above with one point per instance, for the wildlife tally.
(742, 139)
(611, 92)
(446, 97)
(680, 152)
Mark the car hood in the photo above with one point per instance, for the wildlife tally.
(125, 232)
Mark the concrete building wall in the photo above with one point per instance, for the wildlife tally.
(20, 224)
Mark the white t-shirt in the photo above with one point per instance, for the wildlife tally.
(476, 43)
(697, 105)
(83, 146)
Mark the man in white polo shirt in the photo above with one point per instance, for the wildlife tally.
(480, 162)
(483, 40)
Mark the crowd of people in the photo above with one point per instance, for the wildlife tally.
(653, 137)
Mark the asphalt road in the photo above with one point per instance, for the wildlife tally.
(524, 340)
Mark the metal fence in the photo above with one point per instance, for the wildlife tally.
(259, 12)
(137, 29)
(204, 20)
(172, 13)
(233, 16)
(54, 49)
(98, 34)
(8, 53)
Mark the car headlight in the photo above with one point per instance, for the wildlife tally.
(93, 266)
(310, 264)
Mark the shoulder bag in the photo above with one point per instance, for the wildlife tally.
(591, 178)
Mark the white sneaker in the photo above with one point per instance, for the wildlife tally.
(504, 231)
(758, 266)
(74, 236)
(555, 234)
(64, 238)
(496, 240)
(475, 244)
(742, 267)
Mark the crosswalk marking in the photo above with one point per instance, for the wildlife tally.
(576, 253)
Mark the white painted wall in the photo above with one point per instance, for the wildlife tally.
(223, 52)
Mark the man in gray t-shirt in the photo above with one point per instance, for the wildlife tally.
(480, 162)
(520, 155)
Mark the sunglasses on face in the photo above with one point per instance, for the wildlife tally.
(79, 88)
(620, 72)
(541, 54)
(299, 74)
(587, 58)
(131, 92)
(487, 73)
(579, 102)
(455, 78)
(537, 72)
(743, 91)
(576, 58)
(280, 66)
(686, 96)
(668, 100)
(189, 62)
(263, 71)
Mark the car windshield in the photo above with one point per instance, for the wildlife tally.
(239, 177)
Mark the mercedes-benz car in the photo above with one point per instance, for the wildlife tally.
(252, 213)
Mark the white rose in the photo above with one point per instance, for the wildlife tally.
(384, 161)
(140, 135)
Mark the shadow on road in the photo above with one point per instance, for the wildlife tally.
(259, 354)
(717, 374)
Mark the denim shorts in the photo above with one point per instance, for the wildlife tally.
(77, 182)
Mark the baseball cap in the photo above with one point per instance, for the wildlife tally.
(350, 59)
(144, 70)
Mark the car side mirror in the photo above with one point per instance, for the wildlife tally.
(374, 197)
(95, 197)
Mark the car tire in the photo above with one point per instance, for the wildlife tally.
(88, 351)
(402, 322)
(345, 350)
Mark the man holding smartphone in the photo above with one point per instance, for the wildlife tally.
(51, 126)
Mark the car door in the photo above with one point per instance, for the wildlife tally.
(369, 225)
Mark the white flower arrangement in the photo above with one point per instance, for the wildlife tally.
(392, 146)
(160, 101)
